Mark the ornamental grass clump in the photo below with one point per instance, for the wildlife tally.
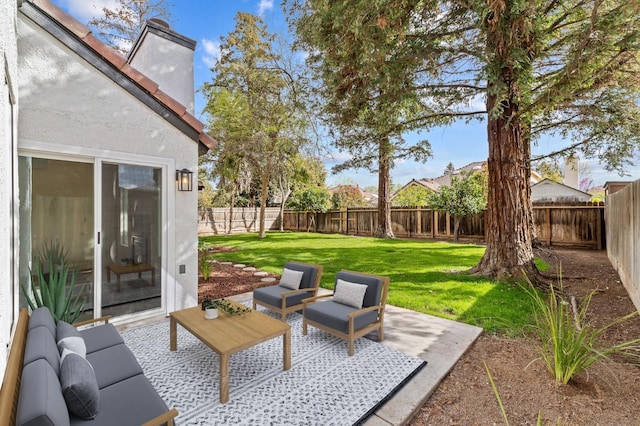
(568, 344)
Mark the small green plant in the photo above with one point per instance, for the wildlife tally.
(52, 290)
(205, 266)
(226, 306)
(568, 345)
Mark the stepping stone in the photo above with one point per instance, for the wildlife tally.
(260, 274)
(226, 263)
(239, 265)
(249, 269)
(268, 280)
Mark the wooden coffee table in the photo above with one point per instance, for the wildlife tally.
(227, 335)
(138, 268)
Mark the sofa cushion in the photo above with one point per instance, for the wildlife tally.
(113, 364)
(130, 402)
(68, 337)
(42, 317)
(272, 296)
(350, 294)
(41, 401)
(291, 279)
(79, 385)
(100, 337)
(41, 345)
(334, 315)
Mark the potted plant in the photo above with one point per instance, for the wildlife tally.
(210, 308)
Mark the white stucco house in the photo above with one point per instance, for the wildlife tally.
(549, 191)
(90, 146)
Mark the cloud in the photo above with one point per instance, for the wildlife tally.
(84, 10)
(264, 6)
(211, 52)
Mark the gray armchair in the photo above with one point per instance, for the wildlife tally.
(285, 299)
(356, 308)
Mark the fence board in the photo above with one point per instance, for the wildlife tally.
(576, 225)
(623, 237)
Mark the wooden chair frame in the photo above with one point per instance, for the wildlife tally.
(352, 335)
(283, 310)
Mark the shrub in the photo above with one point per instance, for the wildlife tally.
(568, 345)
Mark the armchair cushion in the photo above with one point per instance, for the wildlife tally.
(272, 296)
(350, 294)
(68, 337)
(79, 385)
(372, 296)
(97, 338)
(291, 279)
(334, 315)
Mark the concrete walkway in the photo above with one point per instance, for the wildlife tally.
(438, 341)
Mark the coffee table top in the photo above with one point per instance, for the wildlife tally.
(230, 334)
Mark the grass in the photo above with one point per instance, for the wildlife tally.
(426, 276)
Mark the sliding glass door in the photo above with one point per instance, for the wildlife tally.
(131, 238)
(110, 233)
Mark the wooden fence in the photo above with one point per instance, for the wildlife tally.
(623, 237)
(215, 221)
(575, 225)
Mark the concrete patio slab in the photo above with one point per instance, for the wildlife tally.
(438, 341)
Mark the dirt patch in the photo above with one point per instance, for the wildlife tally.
(607, 394)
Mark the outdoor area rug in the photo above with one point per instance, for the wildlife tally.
(324, 386)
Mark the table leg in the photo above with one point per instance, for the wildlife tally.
(118, 279)
(153, 277)
(173, 334)
(286, 349)
(108, 274)
(224, 378)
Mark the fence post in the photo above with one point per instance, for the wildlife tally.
(548, 220)
(599, 227)
(448, 220)
(434, 223)
(419, 219)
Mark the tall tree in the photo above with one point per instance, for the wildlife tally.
(543, 67)
(359, 104)
(252, 98)
(549, 169)
(123, 20)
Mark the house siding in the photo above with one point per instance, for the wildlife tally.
(8, 119)
(69, 105)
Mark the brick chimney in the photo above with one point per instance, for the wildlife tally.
(166, 57)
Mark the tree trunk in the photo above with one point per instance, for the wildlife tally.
(509, 251)
(456, 226)
(233, 200)
(263, 202)
(384, 229)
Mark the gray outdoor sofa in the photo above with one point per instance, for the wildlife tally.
(111, 389)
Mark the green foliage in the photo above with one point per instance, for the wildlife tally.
(568, 344)
(56, 289)
(426, 276)
(347, 196)
(226, 306)
(413, 195)
(549, 170)
(310, 200)
(205, 266)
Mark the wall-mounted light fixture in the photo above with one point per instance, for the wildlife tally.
(184, 179)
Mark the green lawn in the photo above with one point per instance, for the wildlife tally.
(425, 276)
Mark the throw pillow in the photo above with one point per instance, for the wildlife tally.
(291, 279)
(79, 385)
(69, 338)
(350, 294)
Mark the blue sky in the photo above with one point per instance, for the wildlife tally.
(207, 20)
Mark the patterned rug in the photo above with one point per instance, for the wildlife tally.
(324, 386)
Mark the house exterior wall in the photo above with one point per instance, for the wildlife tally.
(69, 106)
(550, 191)
(8, 120)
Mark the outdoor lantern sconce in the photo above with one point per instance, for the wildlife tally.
(184, 178)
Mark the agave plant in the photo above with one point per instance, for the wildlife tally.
(53, 291)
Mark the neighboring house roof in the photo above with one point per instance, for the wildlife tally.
(426, 183)
(547, 189)
(445, 180)
(80, 40)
